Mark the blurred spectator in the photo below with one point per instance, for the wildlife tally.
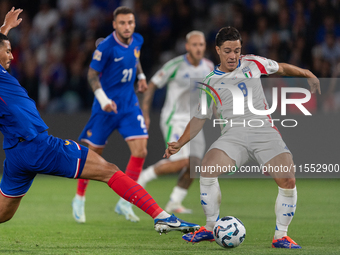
(261, 38)
(85, 14)
(161, 28)
(78, 86)
(329, 27)
(30, 77)
(147, 53)
(53, 45)
(331, 98)
(300, 54)
(45, 20)
(67, 5)
(330, 49)
(284, 27)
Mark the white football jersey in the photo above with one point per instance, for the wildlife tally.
(177, 73)
(244, 80)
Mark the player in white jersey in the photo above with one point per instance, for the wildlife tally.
(178, 74)
(239, 143)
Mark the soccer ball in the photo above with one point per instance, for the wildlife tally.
(229, 232)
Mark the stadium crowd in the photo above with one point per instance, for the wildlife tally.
(53, 47)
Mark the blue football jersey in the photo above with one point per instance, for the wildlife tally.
(19, 116)
(117, 63)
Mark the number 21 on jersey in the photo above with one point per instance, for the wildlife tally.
(127, 75)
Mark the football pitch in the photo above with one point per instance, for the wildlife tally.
(43, 223)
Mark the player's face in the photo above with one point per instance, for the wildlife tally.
(229, 53)
(196, 47)
(124, 24)
(5, 54)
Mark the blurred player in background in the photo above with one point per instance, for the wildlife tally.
(238, 144)
(176, 74)
(112, 73)
(31, 151)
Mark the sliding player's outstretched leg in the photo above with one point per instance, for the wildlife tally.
(96, 168)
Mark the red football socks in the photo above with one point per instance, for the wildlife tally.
(82, 185)
(134, 167)
(134, 193)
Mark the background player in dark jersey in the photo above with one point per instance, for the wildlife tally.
(30, 150)
(113, 70)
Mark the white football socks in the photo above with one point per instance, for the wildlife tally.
(285, 207)
(178, 194)
(146, 176)
(80, 198)
(210, 200)
(162, 215)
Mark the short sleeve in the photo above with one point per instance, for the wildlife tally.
(266, 66)
(100, 57)
(169, 70)
(271, 66)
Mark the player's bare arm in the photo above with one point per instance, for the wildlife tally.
(11, 20)
(147, 99)
(142, 85)
(291, 70)
(106, 104)
(192, 129)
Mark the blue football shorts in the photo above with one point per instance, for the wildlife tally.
(45, 154)
(101, 124)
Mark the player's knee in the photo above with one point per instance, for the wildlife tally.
(112, 168)
(107, 171)
(141, 153)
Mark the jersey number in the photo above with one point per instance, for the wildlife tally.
(127, 74)
(142, 122)
(243, 88)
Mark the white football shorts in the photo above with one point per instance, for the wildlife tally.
(173, 131)
(259, 144)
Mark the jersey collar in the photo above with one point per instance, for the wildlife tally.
(219, 72)
(119, 42)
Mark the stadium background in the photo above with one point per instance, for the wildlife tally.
(53, 47)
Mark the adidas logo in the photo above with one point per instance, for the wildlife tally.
(203, 203)
(289, 214)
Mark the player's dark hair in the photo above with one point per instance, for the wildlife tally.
(121, 10)
(3, 38)
(227, 34)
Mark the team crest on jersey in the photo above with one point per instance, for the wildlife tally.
(97, 55)
(247, 73)
(89, 133)
(137, 52)
(67, 142)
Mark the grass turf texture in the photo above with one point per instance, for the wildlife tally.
(44, 224)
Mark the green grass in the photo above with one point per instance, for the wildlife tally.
(43, 223)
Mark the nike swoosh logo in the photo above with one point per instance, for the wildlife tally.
(118, 59)
(174, 224)
(4, 71)
(77, 216)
